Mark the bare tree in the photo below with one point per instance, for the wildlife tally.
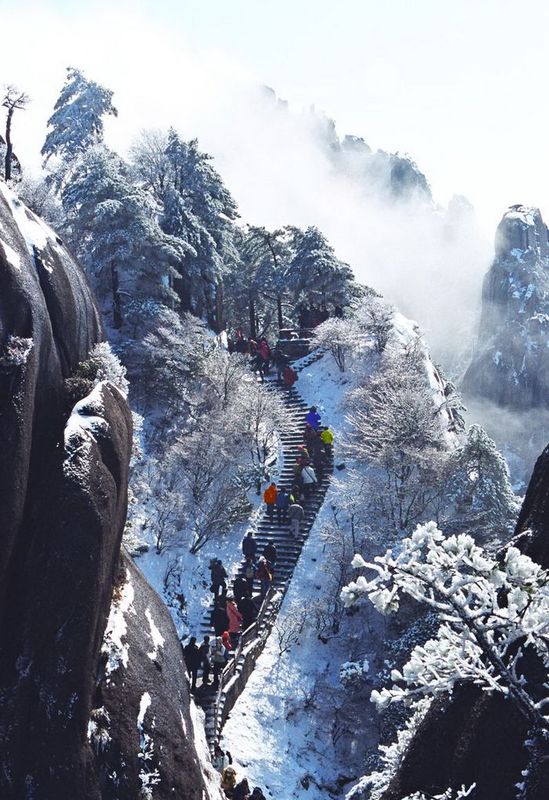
(13, 100)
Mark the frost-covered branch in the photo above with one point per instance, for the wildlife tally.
(490, 614)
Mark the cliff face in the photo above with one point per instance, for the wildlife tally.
(63, 497)
(511, 364)
(473, 737)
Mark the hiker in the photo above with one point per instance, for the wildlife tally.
(270, 553)
(258, 365)
(257, 794)
(265, 576)
(205, 651)
(235, 620)
(297, 468)
(249, 545)
(309, 434)
(228, 781)
(269, 496)
(290, 376)
(240, 587)
(296, 515)
(264, 352)
(280, 362)
(313, 418)
(282, 503)
(249, 573)
(227, 644)
(252, 346)
(242, 790)
(218, 574)
(327, 438)
(220, 620)
(191, 654)
(308, 476)
(240, 345)
(295, 494)
(248, 609)
(319, 463)
(218, 660)
(221, 758)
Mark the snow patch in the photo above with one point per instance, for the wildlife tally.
(12, 257)
(83, 425)
(35, 232)
(114, 647)
(144, 705)
(156, 636)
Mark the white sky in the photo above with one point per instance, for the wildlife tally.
(460, 85)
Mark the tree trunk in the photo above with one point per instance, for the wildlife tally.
(9, 146)
(253, 330)
(218, 325)
(279, 312)
(116, 299)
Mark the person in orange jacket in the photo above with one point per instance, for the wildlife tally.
(269, 496)
(235, 621)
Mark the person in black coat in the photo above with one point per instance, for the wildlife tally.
(270, 552)
(220, 620)
(249, 546)
(248, 609)
(219, 575)
(240, 587)
(192, 657)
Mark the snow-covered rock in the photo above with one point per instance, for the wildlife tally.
(511, 364)
(63, 501)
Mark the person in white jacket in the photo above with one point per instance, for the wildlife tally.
(308, 476)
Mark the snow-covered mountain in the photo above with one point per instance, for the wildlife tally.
(511, 363)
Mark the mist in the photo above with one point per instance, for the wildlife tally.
(425, 259)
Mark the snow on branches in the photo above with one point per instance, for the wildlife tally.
(491, 613)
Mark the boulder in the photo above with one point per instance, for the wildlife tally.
(63, 501)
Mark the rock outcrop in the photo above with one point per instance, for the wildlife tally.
(473, 737)
(511, 364)
(63, 498)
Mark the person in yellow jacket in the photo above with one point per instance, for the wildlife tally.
(327, 437)
(269, 496)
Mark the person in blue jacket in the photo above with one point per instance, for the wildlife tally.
(313, 418)
(282, 503)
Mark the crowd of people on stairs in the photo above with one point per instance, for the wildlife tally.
(236, 611)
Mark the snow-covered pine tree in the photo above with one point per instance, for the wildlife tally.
(316, 274)
(480, 483)
(77, 120)
(112, 226)
(203, 215)
(260, 281)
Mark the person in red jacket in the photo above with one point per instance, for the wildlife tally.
(269, 496)
(290, 376)
(235, 621)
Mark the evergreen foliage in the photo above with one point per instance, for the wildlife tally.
(77, 121)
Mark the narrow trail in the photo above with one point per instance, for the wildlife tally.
(217, 705)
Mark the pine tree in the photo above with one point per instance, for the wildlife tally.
(77, 121)
(199, 209)
(480, 482)
(113, 227)
(260, 282)
(316, 275)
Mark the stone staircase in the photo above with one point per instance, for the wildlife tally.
(218, 705)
